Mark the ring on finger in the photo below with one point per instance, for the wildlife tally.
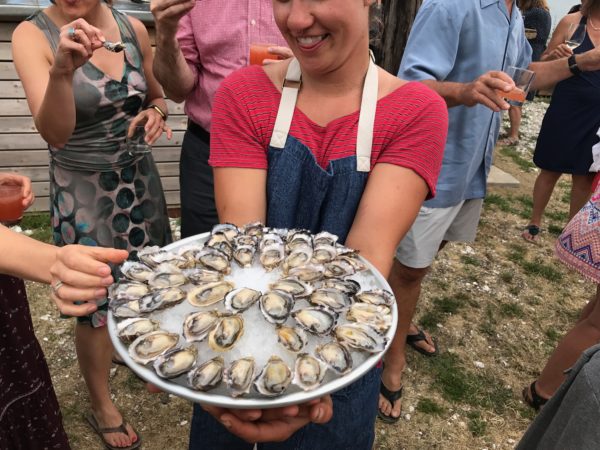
(56, 286)
(71, 33)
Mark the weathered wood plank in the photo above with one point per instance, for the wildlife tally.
(8, 71)
(5, 51)
(11, 89)
(14, 107)
(6, 30)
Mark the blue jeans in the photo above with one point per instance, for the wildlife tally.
(351, 427)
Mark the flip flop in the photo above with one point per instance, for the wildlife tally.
(509, 141)
(532, 398)
(120, 429)
(533, 231)
(390, 396)
(413, 339)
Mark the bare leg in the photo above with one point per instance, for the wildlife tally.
(581, 190)
(514, 115)
(406, 284)
(583, 335)
(94, 353)
(542, 190)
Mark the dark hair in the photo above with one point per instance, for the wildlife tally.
(589, 6)
(108, 2)
(526, 5)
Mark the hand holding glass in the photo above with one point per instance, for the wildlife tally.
(11, 203)
(522, 79)
(136, 143)
(260, 52)
(575, 35)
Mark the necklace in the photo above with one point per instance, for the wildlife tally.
(592, 24)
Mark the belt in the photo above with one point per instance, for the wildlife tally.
(198, 131)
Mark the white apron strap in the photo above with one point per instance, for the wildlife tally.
(289, 95)
(366, 119)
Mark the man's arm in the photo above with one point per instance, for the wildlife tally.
(170, 66)
(548, 73)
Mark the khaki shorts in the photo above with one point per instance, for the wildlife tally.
(434, 225)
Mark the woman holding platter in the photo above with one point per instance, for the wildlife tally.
(327, 141)
(85, 96)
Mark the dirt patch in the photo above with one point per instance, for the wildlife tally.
(497, 307)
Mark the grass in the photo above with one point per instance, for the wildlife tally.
(443, 307)
(39, 223)
(511, 310)
(524, 164)
(429, 406)
(477, 425)
(553, 335)
(471, 261)
(541, 269)
(507, 276)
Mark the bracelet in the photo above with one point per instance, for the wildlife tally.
(158, 110)
(572, 62)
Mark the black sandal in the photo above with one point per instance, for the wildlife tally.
(533, 231)
(390, 396)
(413, 339)
(532, 398)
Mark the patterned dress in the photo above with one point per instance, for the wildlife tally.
(29, 413)
(100, 194)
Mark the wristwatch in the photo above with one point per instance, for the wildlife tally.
(575, 70)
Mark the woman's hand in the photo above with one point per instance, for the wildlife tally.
(19, 180)
(154, 125)
(82, 273)
(78, 41)
(562, 51)
(279, 53)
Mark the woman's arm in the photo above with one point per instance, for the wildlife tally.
(387, 210)
(240, 195)
(556, 47)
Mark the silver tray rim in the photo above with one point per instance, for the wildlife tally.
(225, 401)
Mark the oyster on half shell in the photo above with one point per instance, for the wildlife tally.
(239, 376)
(148, 347)
(336, 356)
(226, 333)
(276, 306)
(308, 372)
(316, 320)
(130, 329)
(274, 378)
(196, 326)
(207, 375)
(209, 293)
(361, 337)
(175, 361)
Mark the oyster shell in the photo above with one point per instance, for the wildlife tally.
(378, 317)
(148, 347)
(254, 229)
(200, 276)
(136, 271)
(308, 273)
(213, 259)
(361, 337)
(339, 269)
(209, 293)
(324, 253)
(353, 260)
(271, 256)
(244, 239)
(330, 298)
(270, 238)
(298, 238)
(130, 329)
(176, 361)
(124, 308)
(376, 297)
(276, 306)
(300, 256)
(154, 256)
(226, 333)
(292, 286)
(308, 372)
(228, 229)
(316, 320)
(294, 339)
(239, 376)
(336, 356)
(207, 375)
(324, 238)
(241, 299)
(348, 286)
(166, 280)
(196, 326)
(129, 290)
(159, 299)
(274, 378)
(244, 255)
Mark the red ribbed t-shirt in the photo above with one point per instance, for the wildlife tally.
(410, 128)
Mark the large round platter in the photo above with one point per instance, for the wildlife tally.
(259, 340)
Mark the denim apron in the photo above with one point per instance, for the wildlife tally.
(301, 194)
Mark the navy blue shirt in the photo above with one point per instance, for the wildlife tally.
(458, 41)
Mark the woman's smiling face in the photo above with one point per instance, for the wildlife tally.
(323, 34)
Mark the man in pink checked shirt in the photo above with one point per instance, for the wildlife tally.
(199, 43)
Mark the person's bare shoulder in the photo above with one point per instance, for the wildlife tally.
(28, 38)
(388, 83)
(276, 72)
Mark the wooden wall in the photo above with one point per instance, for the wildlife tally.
(22, 149)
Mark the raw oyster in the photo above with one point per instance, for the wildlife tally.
(324, 253)
(330, 298)
(129, 290)
(207, 375)
(244, 239)
(348, 286)
(213, 259)
(153, 256)
(298, 238)
(271, 256)
(293, 286)
(300, 256)
(378, 317)
(130, 329)
(148, 347)
(270, 238)
(176, 361)
(361, 337)
(226, 333)
(163, 298)
(324, 238)
(308, 273)
(316, 320)
(294, 339)
(220, 242)
(244, 255)
(239, 376)
(136, 271)
(353, 260)
(200, 276)
(241, 299)
(254, 229)
(336, 356)
(124, 308)
(276, 306)
(196, 326)
(274, 378)
(167, 280)
(376, 297)
(308, 372)
(228, 229)
(209, 293)
(339, 269)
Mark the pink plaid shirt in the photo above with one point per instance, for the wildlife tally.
(215, 38)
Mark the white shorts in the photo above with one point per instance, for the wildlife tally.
(434, 225)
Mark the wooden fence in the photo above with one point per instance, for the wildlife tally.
(22, 149)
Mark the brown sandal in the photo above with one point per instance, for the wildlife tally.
(120, 429)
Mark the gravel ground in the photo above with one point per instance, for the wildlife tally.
(497, 307)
